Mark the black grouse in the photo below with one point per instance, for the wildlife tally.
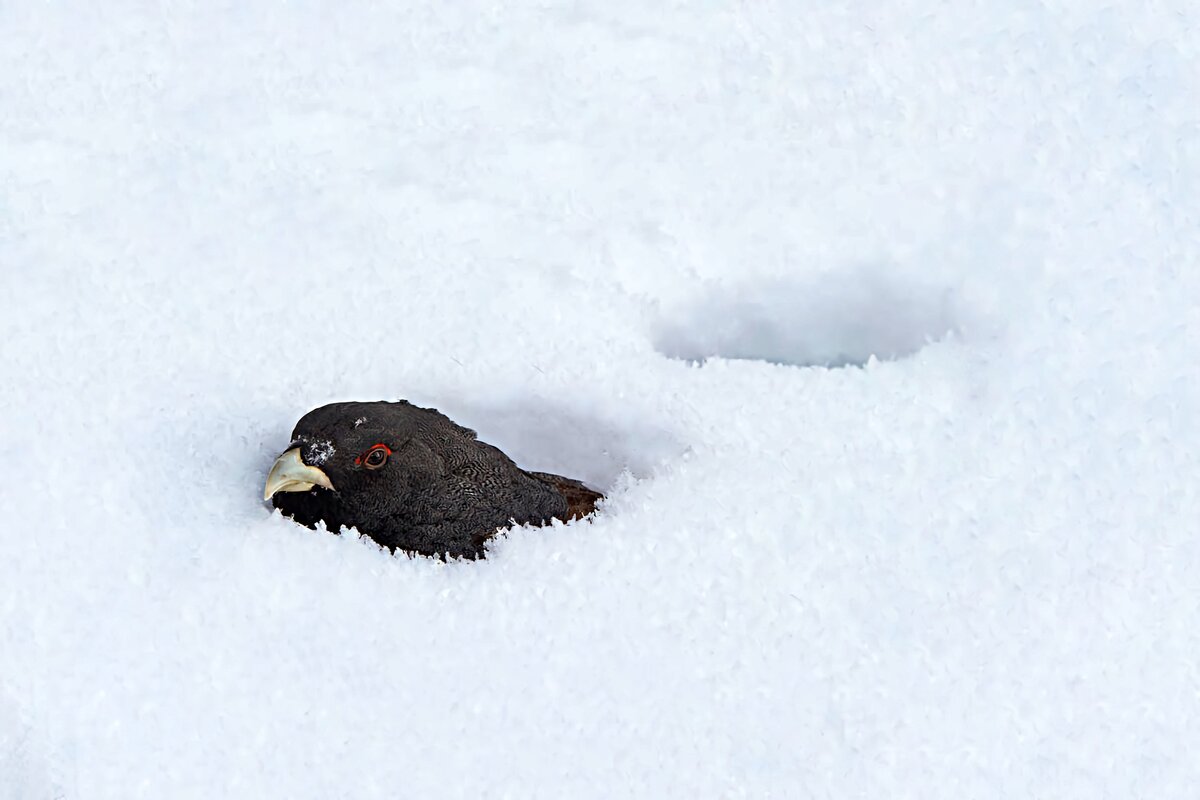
(411, 479)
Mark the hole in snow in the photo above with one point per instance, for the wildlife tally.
(829, 320)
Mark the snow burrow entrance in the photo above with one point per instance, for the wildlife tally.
(830, 320)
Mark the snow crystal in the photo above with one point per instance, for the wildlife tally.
(316, 451)
(963, 568)
(319, 452)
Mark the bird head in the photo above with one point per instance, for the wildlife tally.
(342, 447)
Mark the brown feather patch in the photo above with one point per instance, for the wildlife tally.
(581, 501)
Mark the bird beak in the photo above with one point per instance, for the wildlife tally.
(291, 474)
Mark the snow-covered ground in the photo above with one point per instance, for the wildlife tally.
(877, 321)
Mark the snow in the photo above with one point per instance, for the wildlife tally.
(877, 322)
(318, 451)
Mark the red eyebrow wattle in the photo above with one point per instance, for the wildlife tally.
(377, 446)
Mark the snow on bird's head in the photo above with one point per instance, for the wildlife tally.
(316, 451)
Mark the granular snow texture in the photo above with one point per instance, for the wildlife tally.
(877, 322)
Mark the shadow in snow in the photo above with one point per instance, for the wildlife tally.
(827, 320)
(547, 438)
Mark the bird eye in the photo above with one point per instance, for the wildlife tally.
(376, 457)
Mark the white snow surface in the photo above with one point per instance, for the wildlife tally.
(877, 322)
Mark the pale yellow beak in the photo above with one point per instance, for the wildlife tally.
(291, 474)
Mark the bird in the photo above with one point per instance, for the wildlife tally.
(412, 480)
